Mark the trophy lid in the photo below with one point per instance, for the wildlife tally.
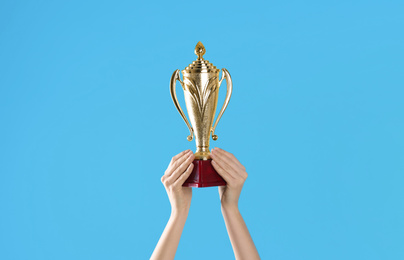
(200, 64)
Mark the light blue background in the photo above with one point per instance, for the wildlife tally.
(88, 126)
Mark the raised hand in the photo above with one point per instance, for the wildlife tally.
(233, 172)
(176, 174)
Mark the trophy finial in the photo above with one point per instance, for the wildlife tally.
(200, 50)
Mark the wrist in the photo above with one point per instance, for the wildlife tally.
(229, 207)
(179, 212)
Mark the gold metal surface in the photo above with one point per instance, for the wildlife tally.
(201, 91)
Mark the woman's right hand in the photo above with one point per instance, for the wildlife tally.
(176, 174)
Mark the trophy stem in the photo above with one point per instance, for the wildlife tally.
(202, 153)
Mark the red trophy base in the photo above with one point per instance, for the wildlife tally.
(204, 175)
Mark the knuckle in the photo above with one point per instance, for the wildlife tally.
(176, 164)
(164, 181)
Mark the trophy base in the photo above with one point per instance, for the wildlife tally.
(204, 175)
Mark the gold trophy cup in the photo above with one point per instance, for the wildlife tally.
(201, 91)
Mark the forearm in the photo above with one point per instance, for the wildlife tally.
(240, 238)
(169, 240)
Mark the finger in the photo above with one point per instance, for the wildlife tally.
(184, 176)
(176, 157)
(230, 159)
(177, 162)
(222, 172)
(181, 168)
(225, 163)
(230, 156)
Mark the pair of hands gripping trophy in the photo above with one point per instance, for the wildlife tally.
(234, 173)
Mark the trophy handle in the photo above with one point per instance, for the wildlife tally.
(174, 78)
(225, 75)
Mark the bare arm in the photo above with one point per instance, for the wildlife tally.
(234, 173)
(177, 172)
